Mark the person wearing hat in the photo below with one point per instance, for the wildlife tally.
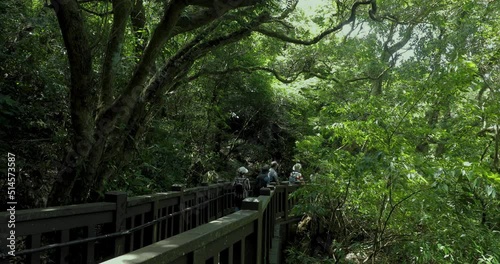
(295, 175)
(241, 186)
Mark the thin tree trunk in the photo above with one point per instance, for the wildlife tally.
(138, 19)
(121, 11)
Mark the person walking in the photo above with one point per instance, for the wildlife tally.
(241, 186)
(295, 175)
(262, 180)
(273, 174)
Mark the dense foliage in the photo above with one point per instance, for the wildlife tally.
(405, 141)
(391, 106)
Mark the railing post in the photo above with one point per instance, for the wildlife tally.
(251, 247)
(120, 199)
(254, 252)
(180, 188)
(156, 227)
(286, 203)
(267, 225)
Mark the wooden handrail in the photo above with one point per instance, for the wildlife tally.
(122, 226)
(242, 237)
(77, 231)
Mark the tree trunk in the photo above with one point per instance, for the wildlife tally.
(81, 98)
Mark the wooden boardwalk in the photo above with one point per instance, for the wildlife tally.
(274, 254)
(195, 225)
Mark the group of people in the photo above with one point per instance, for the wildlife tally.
(267, 175)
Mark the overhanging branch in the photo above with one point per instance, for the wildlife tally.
(96, 13)
(212, 10)
(279, 76)
(274, 72)
(323, 34)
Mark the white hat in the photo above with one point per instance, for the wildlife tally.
(242, 170)
(297, 167)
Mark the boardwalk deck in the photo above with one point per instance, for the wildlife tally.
(274, 255)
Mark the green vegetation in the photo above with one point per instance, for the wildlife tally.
(392, 106)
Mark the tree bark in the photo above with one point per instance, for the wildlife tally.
(121, 11)
(81, 96)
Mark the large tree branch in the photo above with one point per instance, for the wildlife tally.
(175, 71)
(197, 20)
(274, 72)
(401, 43)
(323, 34)
(279, 76)
(222, 4)
(193, 51)
(121, 11)
(119, 112)
(214, 10)
(96, 13)
(388, 52)
(90, 1)
(165, 30)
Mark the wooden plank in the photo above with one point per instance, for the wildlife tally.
(34, 241)
(120, 199)
(59, 211)
(251, 249)
(170, 222)
(230, 256)
(155, 228)
(64, 251)
(226, 256)
(228, 240)
(242, 251)
(204, 237)
(141, 231)
(26, 228)
(198, 209)
(139, 209)
(181, 216)
(132, 235)
(169, 202)
(275, 254)
(162, 225)
(144, 199)
(91, 245)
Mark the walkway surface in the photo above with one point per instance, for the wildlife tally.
(275, 246)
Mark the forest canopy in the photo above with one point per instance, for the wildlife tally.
(392, 106)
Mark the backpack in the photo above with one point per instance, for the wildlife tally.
(239, 189)
(295, 176)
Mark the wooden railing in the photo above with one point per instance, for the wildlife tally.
(241, 237)
(96, 232)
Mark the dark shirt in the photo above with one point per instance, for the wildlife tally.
(261, 181)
